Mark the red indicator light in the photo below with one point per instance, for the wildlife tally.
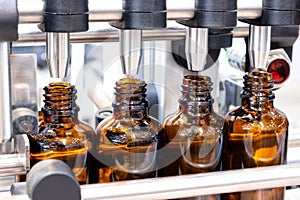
(280, 70)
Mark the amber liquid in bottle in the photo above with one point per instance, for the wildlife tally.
(61, 135)
(193, 134)
(128, 139)
(255, 135)
(170, 156)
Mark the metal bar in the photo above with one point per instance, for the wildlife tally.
(178, 9)
(197, 185)
(30, 11)
(249, 9)
(112, 35)
(15, 162)
(105, 10)
(5, 99)
(12, 164)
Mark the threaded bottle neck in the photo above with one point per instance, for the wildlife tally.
(196, 96)
(130, 98)
(60, 102)
(257, 90)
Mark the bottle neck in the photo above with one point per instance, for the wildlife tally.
(60, 106)
(130, 99)
(257, 91)
(196, 99)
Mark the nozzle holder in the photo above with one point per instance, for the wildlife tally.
(143, 14)
(9, 20)
(213, 14)
(278, 13)
(65, 16)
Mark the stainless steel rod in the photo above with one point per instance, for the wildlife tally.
(112, 35)
(178, 9)
(5, 98)
(105, 10)
(249, 9)
(197, 185)
(30, 11)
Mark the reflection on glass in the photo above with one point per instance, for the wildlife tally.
(255, 134)
(129, 138)
(61, 135)
(193, 134)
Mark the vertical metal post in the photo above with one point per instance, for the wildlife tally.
(5, 93)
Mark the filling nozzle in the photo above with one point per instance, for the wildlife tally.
(130, 50)
(259, 46)
(58, 53)
(196, 48)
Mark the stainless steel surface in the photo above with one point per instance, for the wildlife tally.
(23, 79)
(112, 35)
(105, 10)
(24, 93)
(249, 9)
(130, 50)
(31, 10)
(197, 185)
(16, 162)
(11, 165)
(259, 46)
(58, 53)
(5, 94)
(196, 48)
(292, 194)
(107, 35)
(178, 9)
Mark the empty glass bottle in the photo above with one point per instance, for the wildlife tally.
(129, 138)
(193, 133)
(255, 134)
(61, 135)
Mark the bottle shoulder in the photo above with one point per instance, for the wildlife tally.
(241, 112)
(172, 119)
(62, 139)
(78, 127)
(123, 125)
(84, 127)
(243, 119)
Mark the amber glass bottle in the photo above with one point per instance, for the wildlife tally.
(129, 138)
(255, 134)
(193, 133)
(61, 135)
